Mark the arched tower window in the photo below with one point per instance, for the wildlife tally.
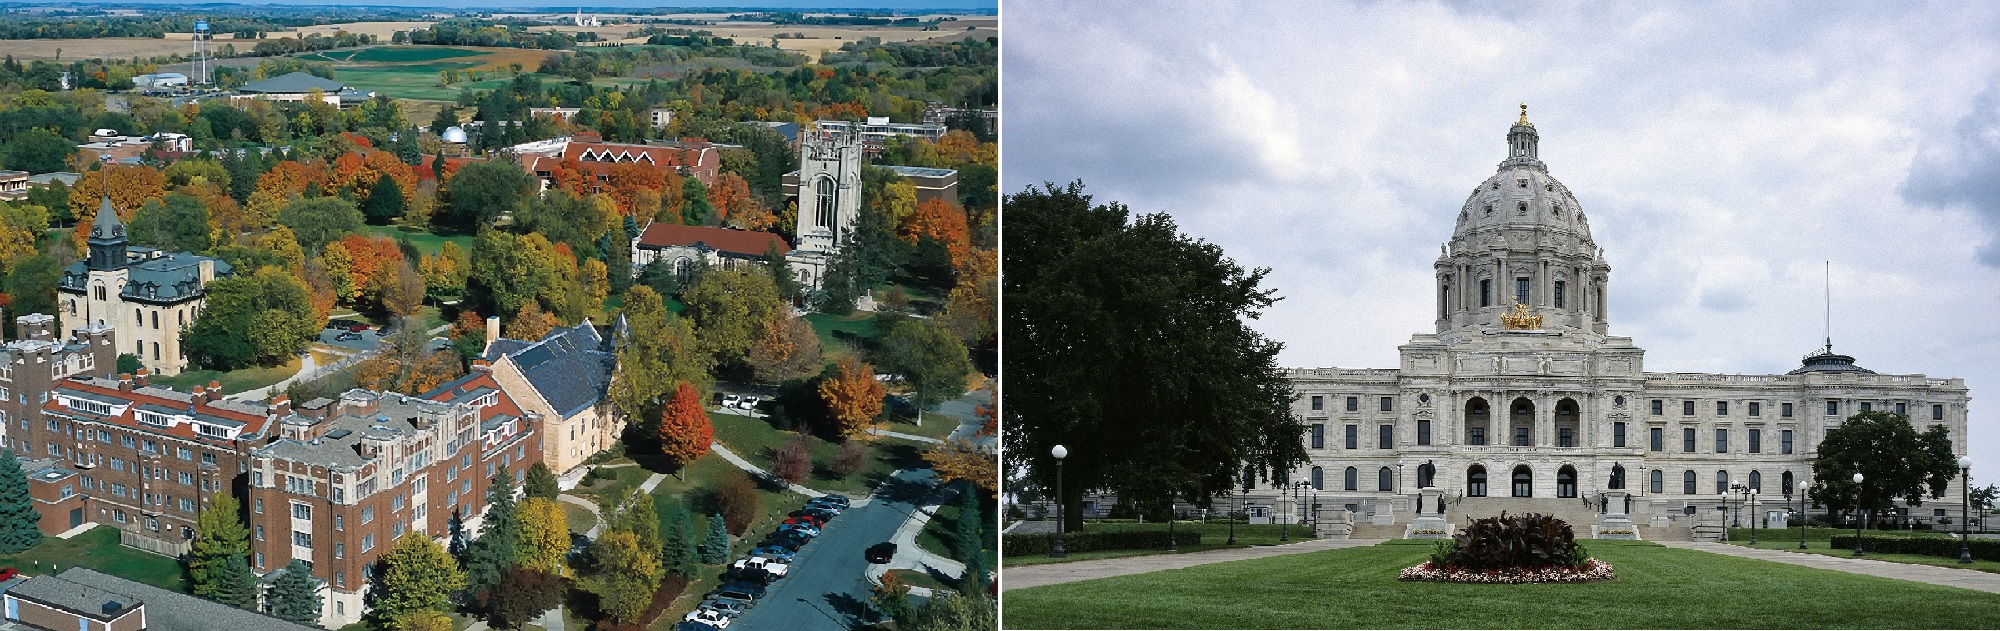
(1351, 479)
(1385, 480)
(1524, 482)
(1318, 479)
(823, 215)
(1475, 481)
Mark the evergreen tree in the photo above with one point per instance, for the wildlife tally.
(385, 201)
(295, 595)
(541, 482)
(678, 551)
(19, 529)
(237, 585)
(715, 548)
(406, 147)
(492, 554)
(458, 543)
(219, 537)
(965, 538)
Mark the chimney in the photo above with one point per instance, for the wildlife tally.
(139, 378)
(214, 390)
(481, 365)
(492, 330)
(200, 393)
(281, 405)
(125, 381)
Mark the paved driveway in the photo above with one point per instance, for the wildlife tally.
(828, 585)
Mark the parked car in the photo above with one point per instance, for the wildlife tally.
(344, 324)
(695, 626)
(749, 402)
(787, 541)
(739, 590)
(822, 514)
(348, 335)
(762, 564)
(806, 520)
(708, 617)
(8, 572)
(804, 529)
(729, 400)
(881, 553)
(774, 553)
(832, 499)
(731, 608)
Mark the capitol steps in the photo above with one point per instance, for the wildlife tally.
(1373, 531)
(1579, 516)
(1674, 531)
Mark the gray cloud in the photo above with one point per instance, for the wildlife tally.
(1962, 169)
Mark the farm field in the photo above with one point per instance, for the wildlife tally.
(411, 72)
(390, 54)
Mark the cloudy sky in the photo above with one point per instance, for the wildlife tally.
(1723, 152)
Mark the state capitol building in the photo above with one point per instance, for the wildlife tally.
(1522, 400)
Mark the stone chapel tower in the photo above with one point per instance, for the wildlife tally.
(829, 189)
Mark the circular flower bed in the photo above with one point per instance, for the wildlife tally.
(1594, 570)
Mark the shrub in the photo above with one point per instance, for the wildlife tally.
(793, 462)
(737, 499)
(852, 457)
(1520, 541)
(1928, 545)
(1042, 542)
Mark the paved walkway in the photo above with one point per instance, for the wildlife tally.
(589, 506)
(921, 439)
(722, 450)
(1020, 577)
(1947, 576)
(909, 555)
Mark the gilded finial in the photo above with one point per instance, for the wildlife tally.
(1524, 115)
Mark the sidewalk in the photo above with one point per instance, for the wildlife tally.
(760, 473)
(914, 437)
(1947, 576)
(909, 555)
(1026, 576)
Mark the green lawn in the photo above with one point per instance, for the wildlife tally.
(1823, 546)
(935, 426)
(695, 493)
(393, 54)
(623, 480)
(1043, 559)
(938, 534)
(757, 439)
(98, 549)
(580, 519)
(233, 381)
(1248, 534)
(416, 81)
(1657, 587)
(426, 242)
(832, 328)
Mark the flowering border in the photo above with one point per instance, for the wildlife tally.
(1592, 571)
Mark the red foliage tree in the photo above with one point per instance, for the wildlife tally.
(684, 429)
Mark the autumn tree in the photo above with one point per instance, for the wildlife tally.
(659, 352)
(853, 397)
(739, 501)
(417, 576)
(728, 307)
(544, 536)
(130, 187)
(793, 462)
(402, 293)
(624, 181)
(962, 460)
(850, 459)
(945, 223)
(624, 574)
(261, 318)
(786, 349)
(892, 598)
(685, 432)
(531, 322)
(523, 595)
(730, 197)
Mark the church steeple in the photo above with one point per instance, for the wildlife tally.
(107, 239)
(1522, 141)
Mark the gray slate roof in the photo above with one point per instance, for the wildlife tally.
(82, 597)
(173, 611)
(170, 278)
(296, 82)
(570, 368)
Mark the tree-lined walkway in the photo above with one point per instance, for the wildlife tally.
(1019, 577)
(1947, 576)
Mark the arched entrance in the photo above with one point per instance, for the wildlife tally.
(1617, 477)
(1521, 422)
(1524, 482)
(1478, 421)
(1566, 481)
(1568, 433)
(1475, 481)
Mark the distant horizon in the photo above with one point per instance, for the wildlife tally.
(980, 6)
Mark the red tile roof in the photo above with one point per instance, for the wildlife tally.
(252, 423)
(743, 242)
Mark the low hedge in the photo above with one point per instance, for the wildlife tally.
(1982, 549)
(1087, 541)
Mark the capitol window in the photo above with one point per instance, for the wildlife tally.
(1353, 404)
(1687, 440)
(1722, 408)
(1388, 404)
(1785, 441)
(1867, 407)
(1318, 479)
(1659, 407)
(1756, 409)
(1521, 290)
(1319, 437)
(1520, 437)
(1721, 441)
(1721, 482)
(1658, 439)
(1659, 481)
(1354, 437)
(1478, 436)
(1388, 438)
(1899, 408)
(1485, 292)
(1832, 407)
(1318, 403)
(1687, 408)
(1352, 479)
(1785, 410)
(1687, 482)
(1937, 412)
(1558, 295)
(1756, 440)
(1617, 434)
(1423, 431)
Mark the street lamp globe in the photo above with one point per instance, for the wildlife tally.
(1965, 462)
(1858, 477)
(1059, 452)
(1802, 488)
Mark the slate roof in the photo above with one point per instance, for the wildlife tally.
(81, 597)
(153, 277)
(570, 367)
(172, 611)
(296, 82)
(746, 243)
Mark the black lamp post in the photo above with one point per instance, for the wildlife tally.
(1858, 479)
(1753, 518)
(1171, 547)
(1965, 510)
(1057, 552)
(1283, 533)
(1805, 512)
(1298, 500)
(1232, 521)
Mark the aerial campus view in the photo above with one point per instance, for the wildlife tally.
(437, 318)
(1437, 315)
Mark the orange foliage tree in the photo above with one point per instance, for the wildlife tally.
(853, 398)
(959, 148)
(290, 178)
(944, 222)
(569, 175)
(130, 186)
(358, 173)
(369, 259)
(961, 460)
(624, 180)
(531, 322)
(730, 197)
(684, 429)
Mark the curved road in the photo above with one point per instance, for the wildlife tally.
(827, 587)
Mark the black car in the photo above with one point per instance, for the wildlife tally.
(755, 576)
(822, 514)
(830, 498)
(740, 590)
(881, 552)
(786, 541)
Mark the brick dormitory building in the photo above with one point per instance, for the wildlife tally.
(331, 482)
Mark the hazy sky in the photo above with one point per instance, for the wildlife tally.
(1723, 152)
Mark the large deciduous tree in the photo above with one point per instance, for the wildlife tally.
(1896, 462)
(659, 351)
(624, 574)
(19, 521)
(523, 595)
(317, 221)
(544, 536)
(928, 358)
(219, 536)
(685, 432)
(786, 349)
(418, 576)
(728, 307)
(961, 460)
(263, 318)
(1128, 343)
(483, 191)
(38, 151)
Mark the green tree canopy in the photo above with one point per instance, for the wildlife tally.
(659, 352)
(219, 536)
(483, 191)
(265, 318)
(19, 521)
(492, 554)
(32, 284)
(1166, 390)
(237, 585)
(38, 151)
(385, 201)
(728, 308)
(317, 221)
(417, 576)
(295, 595)
(927, 357)
(178, 225)
(1896, 463)
(624, 575)
(541, 482)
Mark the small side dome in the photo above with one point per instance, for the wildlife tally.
(454, 134)
(1825, 360)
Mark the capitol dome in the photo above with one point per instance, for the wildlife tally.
(1522, 196)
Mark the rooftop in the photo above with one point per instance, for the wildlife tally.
(167, 610)
(296, 82)
(742, 242)
(569, 368)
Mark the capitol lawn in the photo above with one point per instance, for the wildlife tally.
(1657, 587)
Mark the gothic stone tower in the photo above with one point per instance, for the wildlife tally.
(829, 189)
